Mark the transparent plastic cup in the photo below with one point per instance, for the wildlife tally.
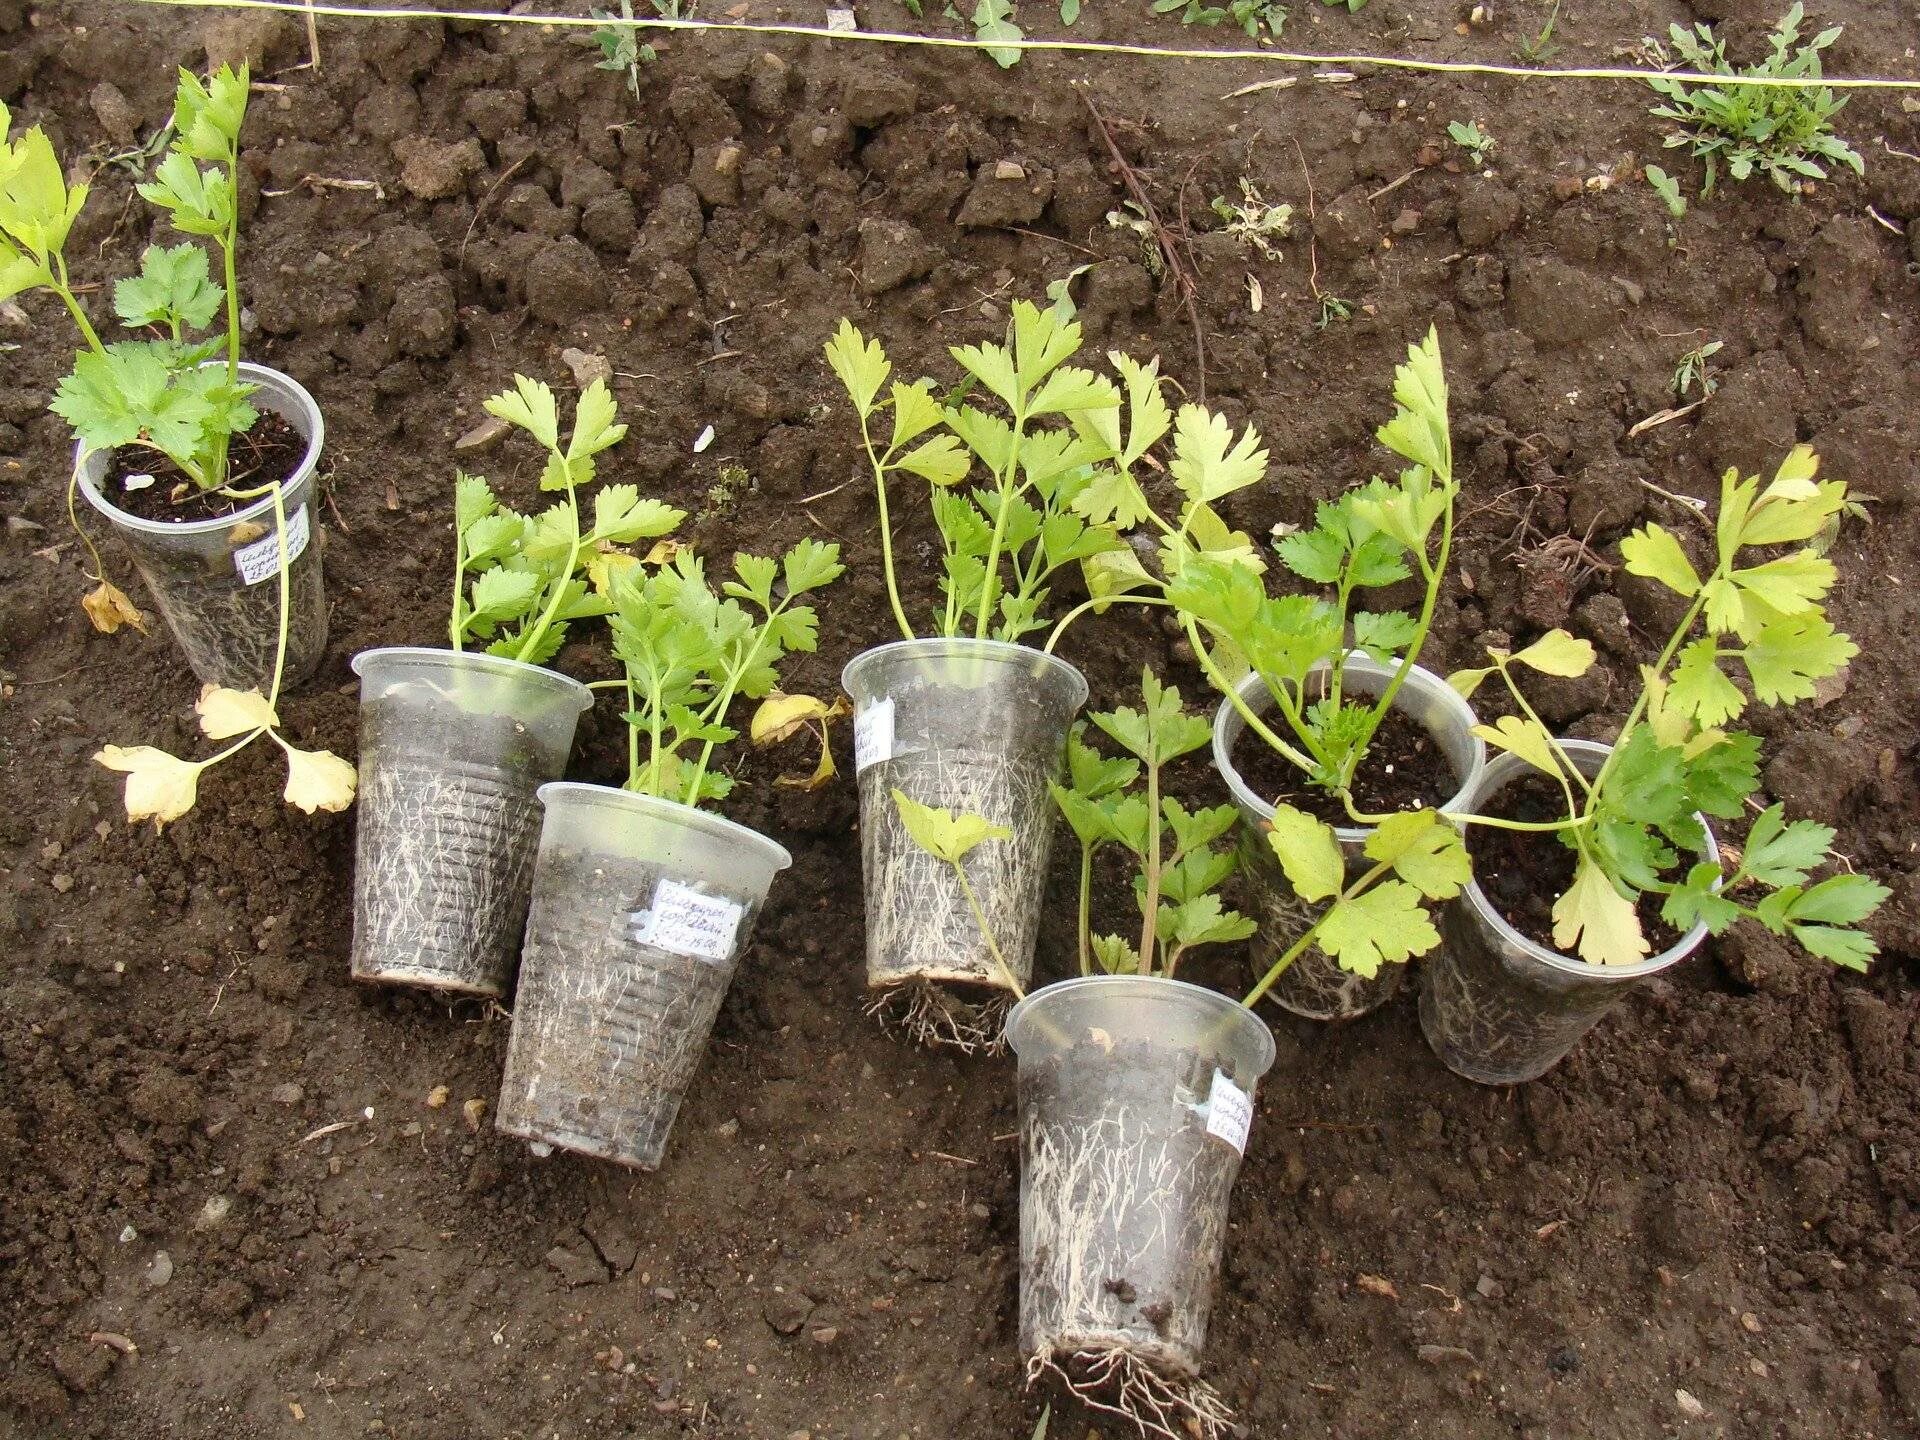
(216, 582)
(1496, 1007)
(971, 726)
(641, 911)
(1314, 985)
(453, 750)
(1135, 1095)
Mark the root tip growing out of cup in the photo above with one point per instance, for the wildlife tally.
(940, 1017)
(1120, 1382)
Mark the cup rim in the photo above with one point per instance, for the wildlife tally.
(486, 664)
(1253, 690)
(671, 812)
(1179, 991)
(1499, 771)
(1003, 652)
(302, 412)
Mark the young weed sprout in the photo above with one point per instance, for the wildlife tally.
(1631, 821)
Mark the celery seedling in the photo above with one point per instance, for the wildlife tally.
(1756, 616)
(518, 579)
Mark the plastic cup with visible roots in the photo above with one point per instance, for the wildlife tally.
(216, 582)
(976, 727)
(641, 910)
(1498, 1008)
(1314, 985)
(454, 748)
(1135, 1096)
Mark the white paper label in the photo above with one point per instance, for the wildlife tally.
(1229, 1112)
(260, 560)
(682, 921)
(873, 735)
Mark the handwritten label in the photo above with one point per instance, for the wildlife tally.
(873, 735)
(1229, 1112)
(261, 559)
(682, 921)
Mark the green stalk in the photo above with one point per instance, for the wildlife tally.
(565, 578)
(1008, 484)
(718, 709)
(1598, 787)
(1434, 573)
(1085, 605)
(457, 625)
(1151, 905)
(1086, 907)
(886, 528)
(62, 288)
(980, 919)
(1232, 692)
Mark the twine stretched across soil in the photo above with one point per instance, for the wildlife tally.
(1078, 47)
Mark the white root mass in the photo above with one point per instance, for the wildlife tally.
(953, 1019)
(1119, 1382)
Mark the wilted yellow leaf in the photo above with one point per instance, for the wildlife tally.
(318, 780)
(780, 715)
(160, 787)
(108, 607)
(606, 567)
(225, 713)
(665, 552)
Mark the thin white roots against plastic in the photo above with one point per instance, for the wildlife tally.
(932, 1015)
(920, 924)
(1121, 1383)
(1125, 1198)
(1493, 1022)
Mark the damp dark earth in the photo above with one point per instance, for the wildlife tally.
(241, 1194)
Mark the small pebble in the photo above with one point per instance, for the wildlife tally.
(287, 1094)
(159, 1269)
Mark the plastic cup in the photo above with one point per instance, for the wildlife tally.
(641, 910)
(1135, 1096)
(971, 726)
(216, 582)
(453, 749)
(1500, 1009)
(1314, 985)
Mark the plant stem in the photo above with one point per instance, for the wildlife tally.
(1009, 483)
(1232, 692)
(980, 919)
(62, 288)
(886, 529)
(564, 579)
(1312, 933)
(1086, 907)
(1423, 625)
(457, 624)
(1150, 920)
(1086, 605)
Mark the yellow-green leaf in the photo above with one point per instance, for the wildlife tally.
(860, 363)
(1308, 852)
(1651, 551)
(1423, 850)
(1596, 921)
(1558, 653)
(1525, 738)
(941, 833)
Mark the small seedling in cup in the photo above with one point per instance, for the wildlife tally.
(158, 393)
(1755, 614)
(1374, 536)
(519, 579)
(1178, 864)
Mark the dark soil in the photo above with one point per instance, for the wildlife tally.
(1522, 872)
(1718, 1193)
(1402, 769)
(271, 449)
